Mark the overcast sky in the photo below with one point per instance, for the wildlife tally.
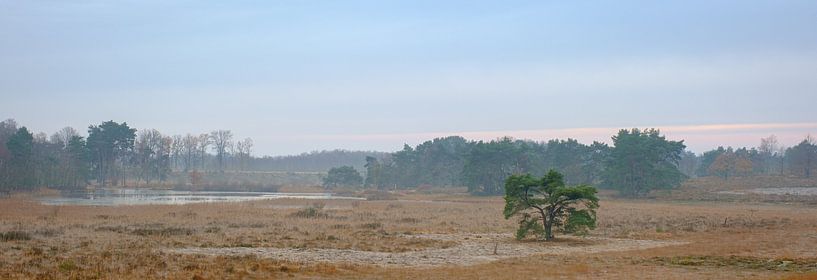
(297, 76)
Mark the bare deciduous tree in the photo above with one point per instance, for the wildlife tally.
(153, 152)
(189, 151)
(63, 136)
(771, 153)
(768, 145)
(176, 150)
(204, 142)
(244, 150)
(222, 142)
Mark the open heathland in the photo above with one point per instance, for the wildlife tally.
(402, 235)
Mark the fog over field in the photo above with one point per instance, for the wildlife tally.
(181, 139)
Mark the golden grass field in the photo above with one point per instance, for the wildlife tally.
(416, 236)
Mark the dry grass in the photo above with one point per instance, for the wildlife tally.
(133, 241)
(734, 189)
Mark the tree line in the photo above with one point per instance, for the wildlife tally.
(482, 165)
(315, 161)
(638, 161)
(112, 154)
(769, 158)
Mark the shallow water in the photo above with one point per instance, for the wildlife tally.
(798, 191)
(114, 197)
(786, 191)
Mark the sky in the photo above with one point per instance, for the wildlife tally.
(298, 76)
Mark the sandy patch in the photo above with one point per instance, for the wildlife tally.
(471, 249)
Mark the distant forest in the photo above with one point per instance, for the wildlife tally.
(316, 161)
(114, 153)
(637, 161)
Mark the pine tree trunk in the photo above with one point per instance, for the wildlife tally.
(549, 229)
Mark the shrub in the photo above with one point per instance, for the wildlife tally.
(15, 235)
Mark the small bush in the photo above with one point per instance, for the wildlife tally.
(169, 231)
(310, 213)
(117, 229)
(68, 265)
(15, 235)
(48, 232)
(257, 225)
(372, 225)
(212, 230)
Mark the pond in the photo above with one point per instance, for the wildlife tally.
(114, 197)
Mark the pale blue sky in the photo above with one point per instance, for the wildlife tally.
(304, 75)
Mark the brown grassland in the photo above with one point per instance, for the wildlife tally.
(403, 236)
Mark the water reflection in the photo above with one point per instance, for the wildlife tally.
(113, 197)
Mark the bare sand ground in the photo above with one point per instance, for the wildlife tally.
(471, 249)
